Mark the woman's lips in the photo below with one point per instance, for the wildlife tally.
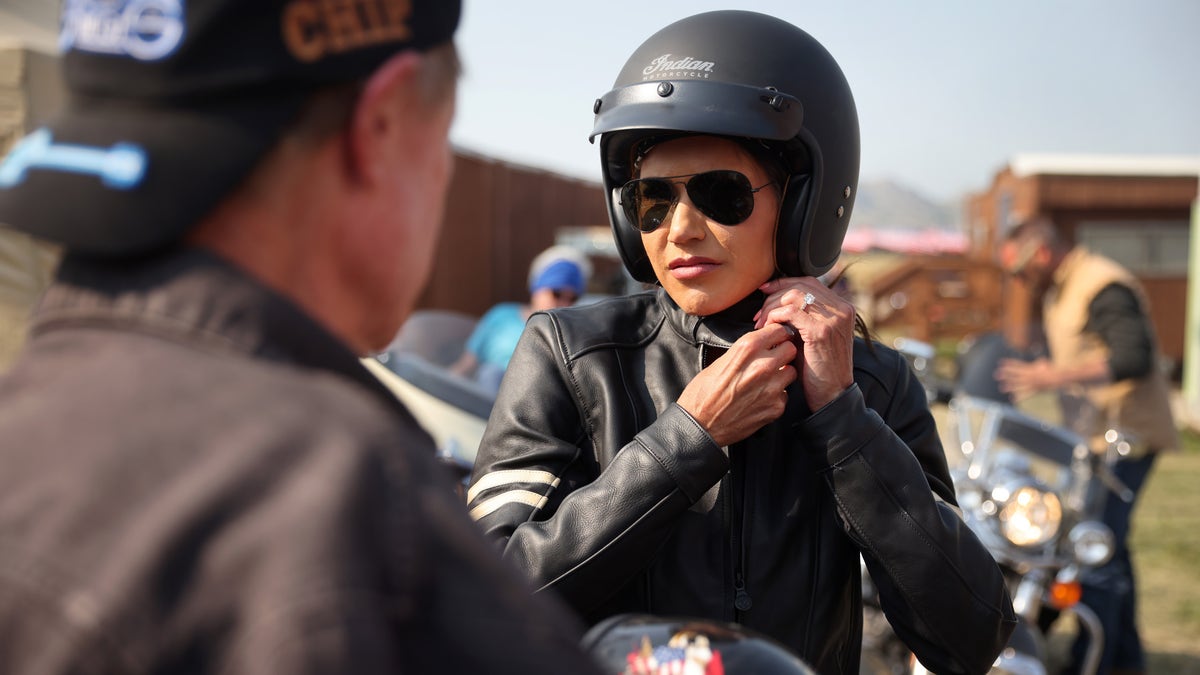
(690, 268)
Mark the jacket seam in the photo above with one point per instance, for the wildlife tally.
(576, 391)
(632, 526)
(570, 356)
(567, 364)
(637, 417)
(666, 469)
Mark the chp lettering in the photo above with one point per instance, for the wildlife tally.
(314, 29)
(685, 67)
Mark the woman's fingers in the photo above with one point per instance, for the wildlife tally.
(824, 325)
(745, 388)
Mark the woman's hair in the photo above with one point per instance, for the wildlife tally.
(860, 324)
(769, 158)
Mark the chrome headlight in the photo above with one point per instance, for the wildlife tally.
(1092, 542)
(1028, 516)
(1013, 662)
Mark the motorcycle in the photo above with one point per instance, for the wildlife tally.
(1032, 492)
(415, 367)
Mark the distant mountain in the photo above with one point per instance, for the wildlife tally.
(888, 216)
(887, 205)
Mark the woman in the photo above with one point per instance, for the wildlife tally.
(724, 447)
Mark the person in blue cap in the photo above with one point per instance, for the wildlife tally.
(558, 277)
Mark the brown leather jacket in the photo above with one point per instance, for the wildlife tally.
(605, 491)
(197, 478)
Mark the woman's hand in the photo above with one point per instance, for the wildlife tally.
(824, 329)
(745, 388)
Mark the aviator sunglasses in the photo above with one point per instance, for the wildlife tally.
(724, 195)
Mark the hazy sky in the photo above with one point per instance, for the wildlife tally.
(947, 91)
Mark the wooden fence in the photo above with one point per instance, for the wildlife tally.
(498, 217)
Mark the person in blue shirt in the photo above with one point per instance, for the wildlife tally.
(557, 278)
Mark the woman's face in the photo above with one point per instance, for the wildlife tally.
(705, 266)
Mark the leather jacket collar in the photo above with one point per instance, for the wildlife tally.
(194, 296)
(717, 330)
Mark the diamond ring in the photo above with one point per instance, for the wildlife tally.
(809, 299)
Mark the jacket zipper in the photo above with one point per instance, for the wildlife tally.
(735, 508)
(742, 602)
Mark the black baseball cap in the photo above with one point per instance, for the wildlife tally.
(172, 102)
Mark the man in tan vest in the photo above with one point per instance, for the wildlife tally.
(1103, 354)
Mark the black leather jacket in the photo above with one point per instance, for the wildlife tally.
(606, 491)
(199, 478)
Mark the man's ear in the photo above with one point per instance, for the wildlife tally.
(1044, 255)
(379, 117)
(1007, 256)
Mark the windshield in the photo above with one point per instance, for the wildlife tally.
(996, 437)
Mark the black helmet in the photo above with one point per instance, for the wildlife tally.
(640, 643)
(743, 75)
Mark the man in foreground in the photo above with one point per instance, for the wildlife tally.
(199, 475)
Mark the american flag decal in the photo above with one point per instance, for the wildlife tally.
(684, 654)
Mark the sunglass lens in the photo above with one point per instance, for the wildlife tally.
(653, 215)
(647, 202)
(725, 196)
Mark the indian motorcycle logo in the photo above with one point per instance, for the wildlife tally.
(666, 67)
